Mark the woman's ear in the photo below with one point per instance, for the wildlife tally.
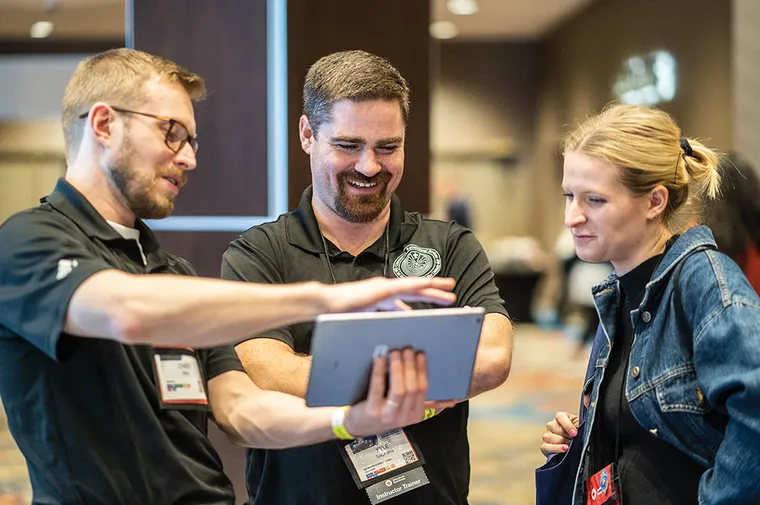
(658, 202)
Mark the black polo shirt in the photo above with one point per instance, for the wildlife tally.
(85, 412)
(291, 250)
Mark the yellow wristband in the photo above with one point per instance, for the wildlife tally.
(338, 426)
(428, 414)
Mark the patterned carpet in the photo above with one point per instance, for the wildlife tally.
(14, 480)
(505, 425)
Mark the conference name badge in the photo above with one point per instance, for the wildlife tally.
(376, 460)
(601, 487)
(179, 379)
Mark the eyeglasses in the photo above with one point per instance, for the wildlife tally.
(176, 136)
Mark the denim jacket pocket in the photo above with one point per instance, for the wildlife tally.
(685, 411)
(679, 391)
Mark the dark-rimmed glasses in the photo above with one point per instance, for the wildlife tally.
(176, 136)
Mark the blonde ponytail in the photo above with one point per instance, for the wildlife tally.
(702, 167)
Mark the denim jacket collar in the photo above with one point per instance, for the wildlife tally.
(694, 239)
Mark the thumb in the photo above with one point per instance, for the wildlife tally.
(401, 305)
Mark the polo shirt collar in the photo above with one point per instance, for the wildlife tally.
(67, 200)
(303, 229)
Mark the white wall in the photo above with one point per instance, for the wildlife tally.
(31, 87)
(31, 140)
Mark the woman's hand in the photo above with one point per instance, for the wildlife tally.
(559, 432)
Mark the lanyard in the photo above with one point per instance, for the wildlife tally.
(385, 253)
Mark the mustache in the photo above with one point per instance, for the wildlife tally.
(379, 178)
(177, 175)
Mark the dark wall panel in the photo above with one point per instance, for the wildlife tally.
(394, 29)
(225, 42)
(203, 249)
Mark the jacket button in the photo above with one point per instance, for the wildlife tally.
(646, 316)
(635, 372)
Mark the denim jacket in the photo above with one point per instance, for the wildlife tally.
(697, 388)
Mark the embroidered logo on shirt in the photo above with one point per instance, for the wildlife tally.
(65, 267)
(417, 261)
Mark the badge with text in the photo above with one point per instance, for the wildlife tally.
(377, 460)
(395, 486)
(179, 378)
(601, 488)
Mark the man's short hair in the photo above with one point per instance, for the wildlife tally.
(351, 75)
(117, 76)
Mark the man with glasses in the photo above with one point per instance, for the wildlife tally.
(112, 356)
(176, 133)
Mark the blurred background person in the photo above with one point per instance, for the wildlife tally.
(456, 204)
(735, 218)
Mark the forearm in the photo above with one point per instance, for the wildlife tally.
(494, 358)
(491, 371)
(269, 419)
(272, 365)
(179, 310)
(273, 420)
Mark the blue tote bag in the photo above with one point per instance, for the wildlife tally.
(555, 480)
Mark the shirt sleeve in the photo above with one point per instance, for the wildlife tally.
(252, 258)
(725, 322)
(468, 264)
(42, 264)
(727, 359)
(222, 359)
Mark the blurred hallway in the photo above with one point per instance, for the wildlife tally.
(506, 424)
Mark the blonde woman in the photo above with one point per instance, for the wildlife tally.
(671, 404)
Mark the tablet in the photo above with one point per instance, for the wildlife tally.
(343, 345)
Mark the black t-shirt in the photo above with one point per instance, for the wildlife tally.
(291, 250)
(651, 470)
(85, 412)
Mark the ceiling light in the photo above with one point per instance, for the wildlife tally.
(443, 30)
(462, 7)
(41, 29)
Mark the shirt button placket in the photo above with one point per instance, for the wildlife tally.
(646, 316)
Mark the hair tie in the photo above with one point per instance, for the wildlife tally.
(686, 146)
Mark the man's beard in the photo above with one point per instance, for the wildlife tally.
(361, 208)
(139, 189)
